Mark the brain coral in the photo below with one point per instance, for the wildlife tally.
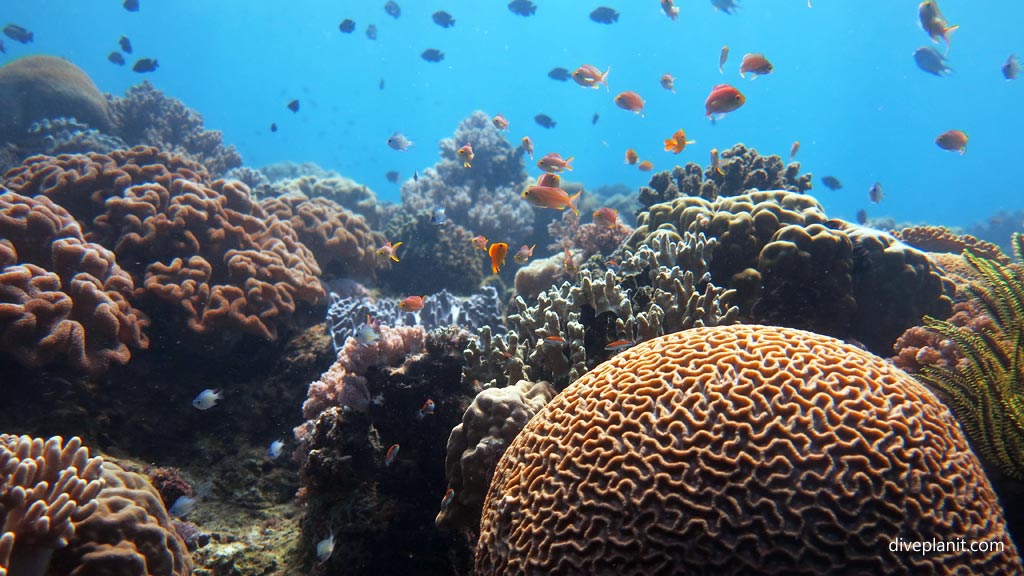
(38, 87)
(741, 450)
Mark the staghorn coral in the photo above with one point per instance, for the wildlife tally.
(433, 258)
(62, 299)
(743, 170)
(741, 450)
(34, 88)
(205, 248)
(47, 489)
(943, 240)
(145, 116)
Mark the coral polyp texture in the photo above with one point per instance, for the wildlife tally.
(62, 299)
(741, 450)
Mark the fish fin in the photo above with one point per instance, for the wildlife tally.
(669, 144)
(572, 202)
(395, 258)
(568, 163)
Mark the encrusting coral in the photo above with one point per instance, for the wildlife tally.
(741, 449)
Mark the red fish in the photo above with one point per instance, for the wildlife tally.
(590, 77)
(554, 341)
(391, 454)
(934, 23)
(524, 254)
(756, 64)
(668, 82)
(466, 155)
(954, 140)
(449, 495)
(794, 149)
(631, 157)
(497, 252)
(569, 264)
(677, 142)
(618, 345)
(630, 101)
(645, 166)
(722, 100)
(412, 303)
(554, 163)
(528, 146)
(607, 217)
(389, 250)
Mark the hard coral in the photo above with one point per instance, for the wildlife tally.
(433, 258)
(34, 88)
(741, 450)
(942, 239)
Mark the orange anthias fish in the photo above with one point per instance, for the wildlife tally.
(554, 163)
(794, 149)
(524, 254)
(722, 57)
(668, 82)
(722, 100)
(391, 454)
(389, 250)
(466, 155)
(630, 101)
(645, 166)
(412, 303)
(954, 140)
(547, 194)
(497, 252)
(755, 64)
(590, 77)
(479, 242)
(607, 217)
(568, 264)
(934, 23)
(500, 122)
(677, 142)
(671, 10)
(631, 157)
(528, 146)
(618, 345)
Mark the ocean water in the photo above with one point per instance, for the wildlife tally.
(845, 85)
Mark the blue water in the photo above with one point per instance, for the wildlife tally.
(845, 85)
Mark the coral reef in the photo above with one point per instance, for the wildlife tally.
(919, 346)
(943, 240)
(63, 300)
(742, 170)
(999, 228)
(145, 116)
(589, 239)
(344, 191)
(35, 88)
(433, 258)
(740, 450)
(55, 136)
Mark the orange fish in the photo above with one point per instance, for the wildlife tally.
(412, 303)
(955, 140)
(756, 64)
(528, 146)
(479, 242)
(715, 162)
(630, 101)
(677, 142)
(497, 252)
(524, 254)
(606, 217)
(549, 180)
(449, 495)
(553, 163)
(722, 100)
(631, 157)
(543, 196)
(934, 23)
(794, 149)
(466, 155)
(668, 82)
(389, 250)
(722, 57)
(618, 345)
(555, 341)
(426, 410)
(645, 166)
(590, 77)
(499, 122)
(671, 10)
(568, 263)
(391, 454)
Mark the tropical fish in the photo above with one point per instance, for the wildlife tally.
(929, 60)
(524, 254)
(631, 157)
(955, 140)
(206, 399)
(415, 175)
(443, 19)
(125, 44)
(755, 64)
(412, 303)
(432, 55)
(934, 23)
(293, 105)
(449, 495)
(325, 548)
(568, 264)
(607, 217)
(875, 193)
(393, 9)
(604, 15)
(389, 250)
(275, 449)
(522, 7)
(367, 334)
(722, 57)
(618, 345)
(722, 100)
(18, 34)
(677, 142)
(347, 26)
(426, 410)
(131, 5)
(862, 217)
(4, 50)
(399, 142)
(590, 77)
(438, 217)
(497, 252)
(479, 242)
(183, 506)
(273, 126)
(727, 6)
(630, 101)
(716, 162)
(671, 10)
(392, 176)
(553, 163)
(371, 32)
(528, 146)
(1011, 68)
(466, 155)
(544, 120)
(645, 166)
(594, 118)
(554, 341)
(143, 65)
(560, 74)
(116, 58)
(543, 195)
(794, 149)
(499, 122)
(831, 182)
(668, 82)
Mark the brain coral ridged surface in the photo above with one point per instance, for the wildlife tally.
(740, 450)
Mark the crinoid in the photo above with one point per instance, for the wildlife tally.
(986, 389)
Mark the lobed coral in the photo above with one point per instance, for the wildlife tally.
(343, 191)
(35, 88)
(943, 240)
(741, 450)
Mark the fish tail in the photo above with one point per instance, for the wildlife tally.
(669, 144)
(394, 251)
(604, 79)
(568, 163)
(572, 202)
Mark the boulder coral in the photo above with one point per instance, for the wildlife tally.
(742, 449)
(35, 88)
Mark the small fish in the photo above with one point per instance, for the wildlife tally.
(18, 34)
(722, 100)
(631, 157)
(618, 345)
(143, 65)
(392, 176)
(606, 217)
(716, 162)
(412, 303)
(499, 122)
(438, 217)
(668, 82)
(391, 454)
(543, 195)
(371, 32)
(443, 19)
(325, 547)
(275, 449)
(544, 120)
(604, 15)
(432, 55)
(449, 495)
(875, 193)
(594, 118)
(479, 242)
(554, 341)
(293, 105)
(524, 254)
(182, 507)
(1011, 69)
(415, 175)
(528, 146)
(934, 23)
(522, 7)
(645, 166)
(393, 9)
(862, 216)
(677, 143)
(727, 6)
(399, 142)
(426, 410)
(630, 101)
(755, 64)
(273, 126)
(131, 5)
(125, 44)
(954, 140)
(831, 182)
(722, 57)
(466, 155)
(116, 58)
(560, 74)
(794, 149)
(206, 399)
(497, 252)
(389, 250)
(347, 26)
(929, 60)
(553, 163)
(568, 264)
(590, 77)
(366, 334)
(671, 10)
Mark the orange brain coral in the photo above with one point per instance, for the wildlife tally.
(740, 450)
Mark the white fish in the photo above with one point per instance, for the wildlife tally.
(207, 399)
(325, 548)
(366, 335)
(275, 449)
(437, 217)
(182, 507)
(399, 142)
